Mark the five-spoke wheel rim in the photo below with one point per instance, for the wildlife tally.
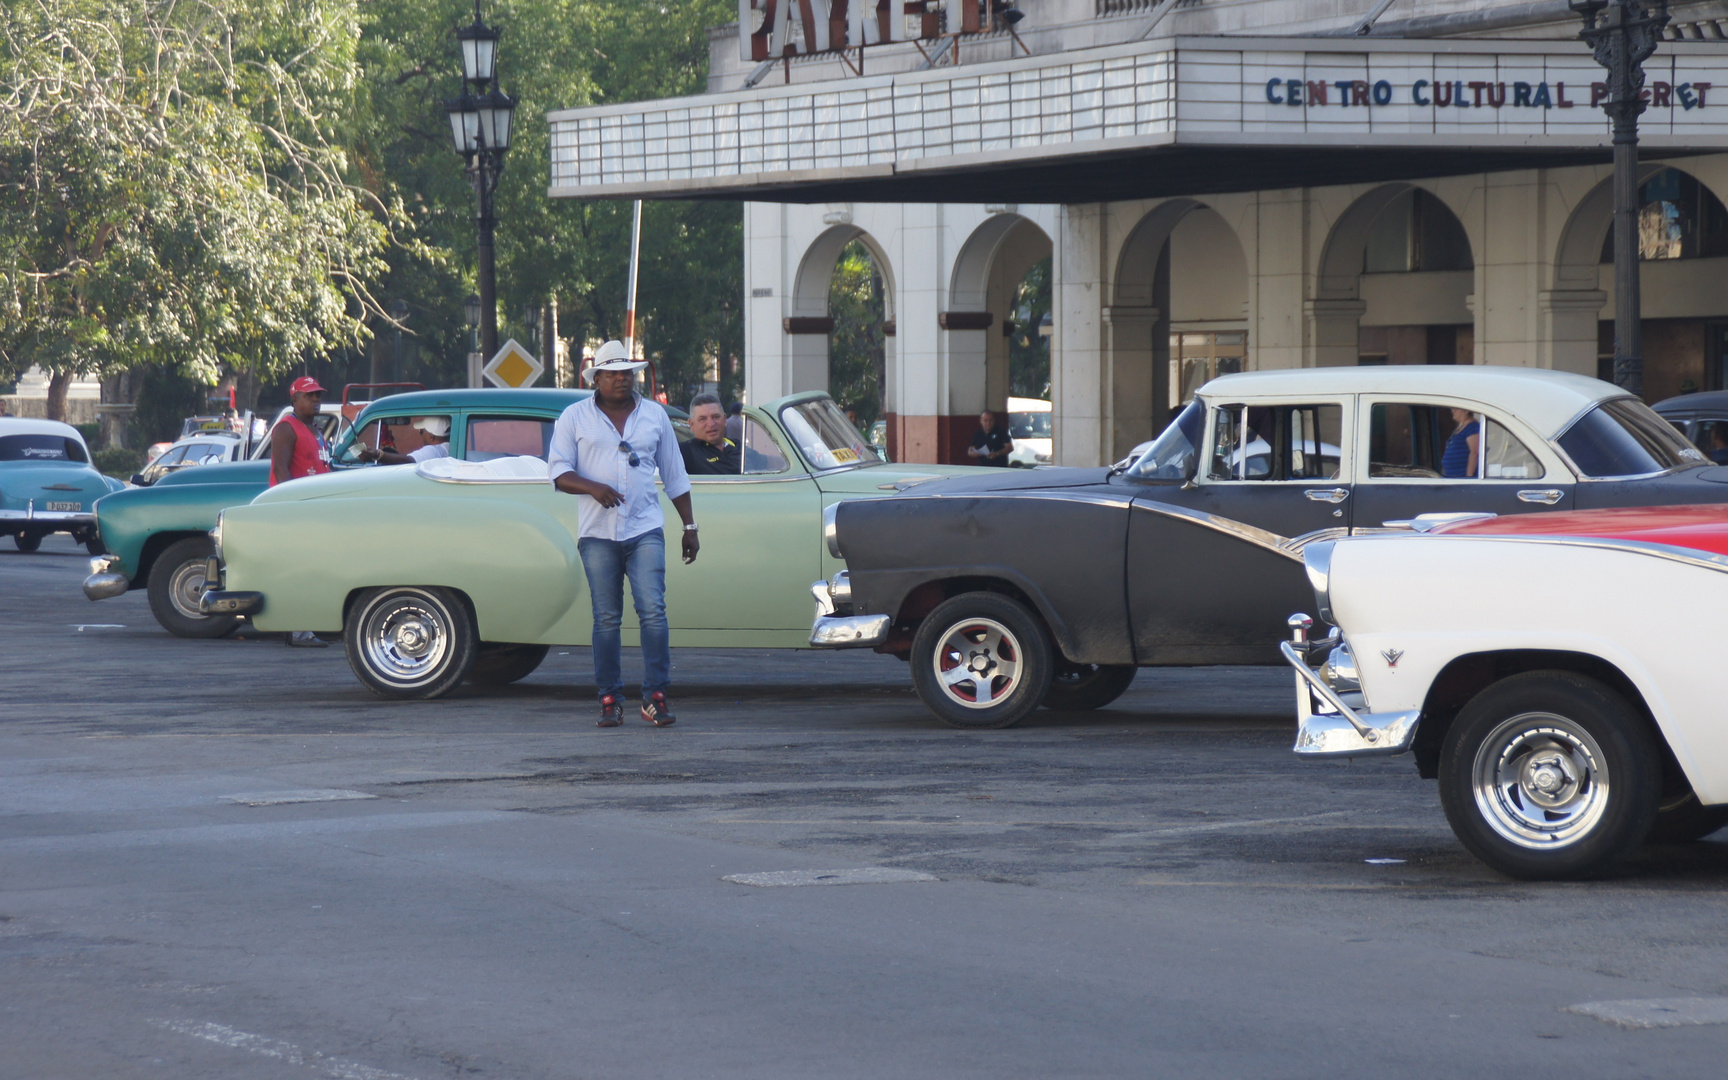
(978, 664)
(186, 587)
(406, 640)
(1541, 781)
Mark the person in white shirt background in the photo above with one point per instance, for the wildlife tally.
(605, 451)
(434, 429)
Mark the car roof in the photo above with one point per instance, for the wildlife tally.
(1710, 401)
(1546, 400)
(429, 401)
(20, 425)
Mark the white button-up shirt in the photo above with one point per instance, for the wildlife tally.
(587, 443)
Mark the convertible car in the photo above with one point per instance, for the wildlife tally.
(467, 569)
(1566, 722)
(1018, 589)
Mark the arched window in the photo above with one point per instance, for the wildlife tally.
(1678, 218)
(1415, 231)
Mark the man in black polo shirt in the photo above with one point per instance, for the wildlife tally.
(710, 452)
(991, 446)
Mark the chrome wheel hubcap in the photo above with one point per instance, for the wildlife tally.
(1540, 781)
(978, 663)
(186, 587)
(406, 641)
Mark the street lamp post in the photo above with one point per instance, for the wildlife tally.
(480, 125)
(1622, 34)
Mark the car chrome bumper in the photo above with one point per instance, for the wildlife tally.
(1329, 725)
(33, 516)
(836, 627)
(104, 581)
(222, 602)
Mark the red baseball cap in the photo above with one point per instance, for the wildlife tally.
(306, 384)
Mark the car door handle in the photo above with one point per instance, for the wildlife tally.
(1545, 496)
(1327, 495)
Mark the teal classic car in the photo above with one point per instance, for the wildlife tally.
(157, 537)
(47, 484)
(467, 570)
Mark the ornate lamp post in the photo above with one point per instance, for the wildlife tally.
(480, 125)
(1623, 34)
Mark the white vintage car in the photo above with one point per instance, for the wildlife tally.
(1548, 669)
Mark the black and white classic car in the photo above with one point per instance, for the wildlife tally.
(1051, 586)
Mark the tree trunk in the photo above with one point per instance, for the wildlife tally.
(58, 384)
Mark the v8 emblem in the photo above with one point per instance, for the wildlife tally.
(1392, 656)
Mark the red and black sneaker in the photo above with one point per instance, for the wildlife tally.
(657, 711)
(611, 712)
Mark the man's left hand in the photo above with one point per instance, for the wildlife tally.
(691, 547)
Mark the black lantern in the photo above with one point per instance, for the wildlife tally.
(480, 129)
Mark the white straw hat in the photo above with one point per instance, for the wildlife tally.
(612, 356)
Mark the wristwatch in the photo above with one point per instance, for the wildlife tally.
(690, 528)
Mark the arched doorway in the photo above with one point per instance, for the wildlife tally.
(995, 286)
(1178, 316)
(812, 323)
(1683, 269)
(1395, 280)
(857, 344)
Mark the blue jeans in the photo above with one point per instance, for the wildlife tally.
(607, 563)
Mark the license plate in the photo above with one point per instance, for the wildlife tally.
(71, 506)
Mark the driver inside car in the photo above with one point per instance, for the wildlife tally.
(435, 430)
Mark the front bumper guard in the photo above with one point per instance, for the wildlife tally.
(1343, 731)
(104, 582)
(836, 627)
(222, 602)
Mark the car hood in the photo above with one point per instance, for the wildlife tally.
(50, 482)
(878, 479)
(980, 480)
(221, 472)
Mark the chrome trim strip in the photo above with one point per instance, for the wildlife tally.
(1046, 496)
(79, 517)
(1689, 556)
(1296, 544)
(748, 478)
(1271, 541)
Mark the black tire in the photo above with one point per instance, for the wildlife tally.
(1009, 646)
(1550, 775)
(1683, 819)
(93, 544)
(411, 641)
(176, 582)
(27, 542)
(500, 665)
(1079, 687)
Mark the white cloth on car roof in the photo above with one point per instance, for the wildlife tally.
(502, 470)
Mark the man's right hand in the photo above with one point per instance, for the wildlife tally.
(604, 495)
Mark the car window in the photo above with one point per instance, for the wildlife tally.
(1712, 440)
(1623, 437)
(1410, 440)
(1171, 455)
(205, 453)
(41, 448)
(1276, 442)
(392, 433)
(507, 436)
(172, 456)
(762, 455)
(827, 439)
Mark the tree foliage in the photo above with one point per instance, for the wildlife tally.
(178, 191)
(857, 350)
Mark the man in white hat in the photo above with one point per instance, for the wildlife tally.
(605, 451)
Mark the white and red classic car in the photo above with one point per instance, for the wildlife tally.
(1550, 670)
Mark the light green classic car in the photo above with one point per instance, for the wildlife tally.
(453, 571)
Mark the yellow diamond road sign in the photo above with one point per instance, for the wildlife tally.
(514, 367)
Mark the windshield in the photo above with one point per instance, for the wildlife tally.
(825, 437)
(41, 448)
(1171, 455)
(1029, 425)
(1624, 437)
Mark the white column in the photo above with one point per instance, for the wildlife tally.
(1077, 350)
(1128, 374)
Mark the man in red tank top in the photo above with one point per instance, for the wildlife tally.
(296, 448)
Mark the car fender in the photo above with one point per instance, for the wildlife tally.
(517, 565)
(129, 519)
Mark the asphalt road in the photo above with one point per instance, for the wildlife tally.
(492, 887)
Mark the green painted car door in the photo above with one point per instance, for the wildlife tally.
(761, 549)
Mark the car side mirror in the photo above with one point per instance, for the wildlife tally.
(138, 479)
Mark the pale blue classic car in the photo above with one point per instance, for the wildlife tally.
(47, 484)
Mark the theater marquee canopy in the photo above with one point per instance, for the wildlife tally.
(1191, 116)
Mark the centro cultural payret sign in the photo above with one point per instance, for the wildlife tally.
(1462, 94)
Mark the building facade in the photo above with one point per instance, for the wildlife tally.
(1219, 186)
